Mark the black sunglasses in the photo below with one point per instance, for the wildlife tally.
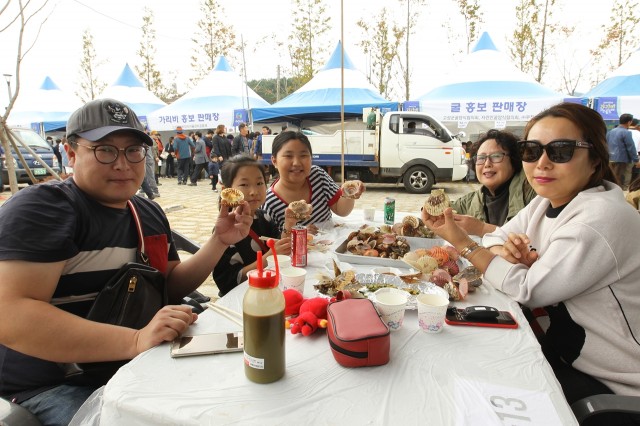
(558, 151)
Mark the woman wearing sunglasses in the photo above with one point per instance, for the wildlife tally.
(505, 190)
(573, 251)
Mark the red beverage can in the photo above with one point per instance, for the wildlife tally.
(299, 245)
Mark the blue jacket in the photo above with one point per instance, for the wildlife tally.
(621, 146)
(183, 147)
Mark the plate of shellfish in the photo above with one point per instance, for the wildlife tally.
(364, 285)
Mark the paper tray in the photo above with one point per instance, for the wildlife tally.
(414, 243)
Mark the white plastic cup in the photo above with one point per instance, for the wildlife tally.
(284, 261)
(390, 304)
(292, 277)
(369, 214)
(432, 309)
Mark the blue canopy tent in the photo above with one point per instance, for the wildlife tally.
(215, 100)
(45, 109)
(129, 89)
(620, 92)
(486, 90)
(320, 98)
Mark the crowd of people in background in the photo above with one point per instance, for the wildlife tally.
(193, 157)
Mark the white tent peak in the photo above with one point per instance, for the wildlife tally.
(46, 103)
(128, 88)
(211, 102)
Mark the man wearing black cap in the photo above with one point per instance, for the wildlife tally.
(68, 238)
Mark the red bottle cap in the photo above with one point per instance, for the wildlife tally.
(265, 279)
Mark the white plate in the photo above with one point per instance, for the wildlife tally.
(414, 243)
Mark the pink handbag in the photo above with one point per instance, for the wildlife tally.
(357, 335)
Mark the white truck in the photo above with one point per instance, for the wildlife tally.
(406, 146)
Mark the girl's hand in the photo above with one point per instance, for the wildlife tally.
(283, 246)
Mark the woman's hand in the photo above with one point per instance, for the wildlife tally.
(233, 226)
(472, 225)
(446, 227)
(517, 250)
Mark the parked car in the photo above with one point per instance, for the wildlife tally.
(40, 147)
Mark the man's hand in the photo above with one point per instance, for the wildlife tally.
(232, 227)
(170, 322)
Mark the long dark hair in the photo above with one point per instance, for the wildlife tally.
(593, 130)
(284, 137)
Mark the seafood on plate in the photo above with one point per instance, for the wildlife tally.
(412, 226)
(341, 281)
(231, 197)
(370, 241)
(437, 202)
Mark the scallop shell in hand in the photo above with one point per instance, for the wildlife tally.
(301, 210)
(350, 188)
(231, 197)
(437, 202)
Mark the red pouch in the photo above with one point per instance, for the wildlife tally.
(357, 335)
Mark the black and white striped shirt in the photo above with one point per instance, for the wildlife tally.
(324, 193)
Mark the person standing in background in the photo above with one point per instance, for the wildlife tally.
(240, 142)
(622, 150)
(56, 151)
(170, 170)
(183, 147)
(200, 158)
(635, 135)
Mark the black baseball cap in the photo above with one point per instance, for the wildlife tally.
(101, 117)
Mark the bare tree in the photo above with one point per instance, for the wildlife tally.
(381, 44)
(531, 44)
(22, 17)
(620, 36)
(523, 43)
(412, 20)
(213, 37)
(310, 23)
(147, 52)
(90, 85)
(470, 10)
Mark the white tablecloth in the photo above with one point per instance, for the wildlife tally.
(463, 375)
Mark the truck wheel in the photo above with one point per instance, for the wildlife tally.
(418, 180)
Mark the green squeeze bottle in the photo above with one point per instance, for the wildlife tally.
(264, 329)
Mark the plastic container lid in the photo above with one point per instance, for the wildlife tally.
(265, 279)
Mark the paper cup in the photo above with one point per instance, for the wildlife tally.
(432, 309)
(293, 277)
(284, 261)
(390, 304)
(369, 214)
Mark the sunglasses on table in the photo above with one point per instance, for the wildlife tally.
(558, 151)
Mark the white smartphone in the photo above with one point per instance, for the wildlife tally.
(203, 344)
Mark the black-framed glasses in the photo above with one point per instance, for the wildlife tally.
(107, 154)
(558, 150)
(496, 157)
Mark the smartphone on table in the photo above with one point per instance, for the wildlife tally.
(480, 316)
(203, 344)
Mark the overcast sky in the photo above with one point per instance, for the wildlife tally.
(115, 25)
